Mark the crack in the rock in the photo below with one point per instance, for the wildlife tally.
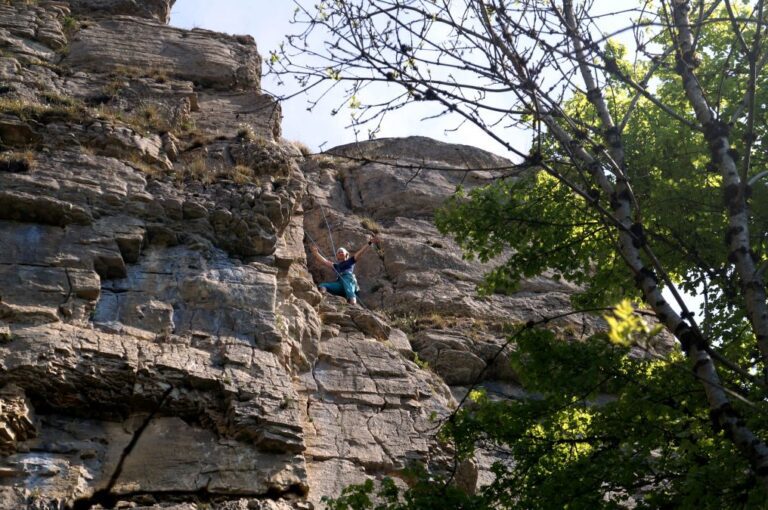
(379, 409)
(368, 371)
(105, 496)
(21, 264)
(69, 284)
(376, 437)
(309, 397)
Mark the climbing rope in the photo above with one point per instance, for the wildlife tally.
(330, 234)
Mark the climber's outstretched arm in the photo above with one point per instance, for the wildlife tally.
(372, 240)
(324, 261)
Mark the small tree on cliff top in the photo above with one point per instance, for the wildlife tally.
(645, 170)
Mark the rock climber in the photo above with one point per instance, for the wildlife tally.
(346, 283)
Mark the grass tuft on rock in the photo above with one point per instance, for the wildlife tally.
(303, 148)
(56, 108)
(17, 162)
(371, 225)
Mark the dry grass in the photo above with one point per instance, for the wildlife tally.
(303, 148)
(150, 117)
(199, 140)
(242, 174)
(114, 87)
(471, 328)
(246, 133)
(106, 112)
(121, 71)
(239, 174)
(88, 149)
(412, 323)
(198, 170)
(17, 162)
(325, 161)
(56, 99)
(158, 74)
(203, 170)
(44, 113)
(185, 126)
(341, 167)
(145, 118)
(141, 165)
(371, 225)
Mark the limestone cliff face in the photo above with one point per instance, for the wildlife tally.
(162, 341)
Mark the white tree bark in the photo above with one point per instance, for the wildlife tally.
(735, 190)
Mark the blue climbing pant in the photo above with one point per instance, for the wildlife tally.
(345, 286)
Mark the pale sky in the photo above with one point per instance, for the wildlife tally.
(268, 22)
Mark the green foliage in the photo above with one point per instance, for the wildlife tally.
(70, 25)
(422, 364)
(626, 328)
(426, 493)
(606, 426)
(668, 164)
(547, 226)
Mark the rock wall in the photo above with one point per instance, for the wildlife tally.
(162, 341)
